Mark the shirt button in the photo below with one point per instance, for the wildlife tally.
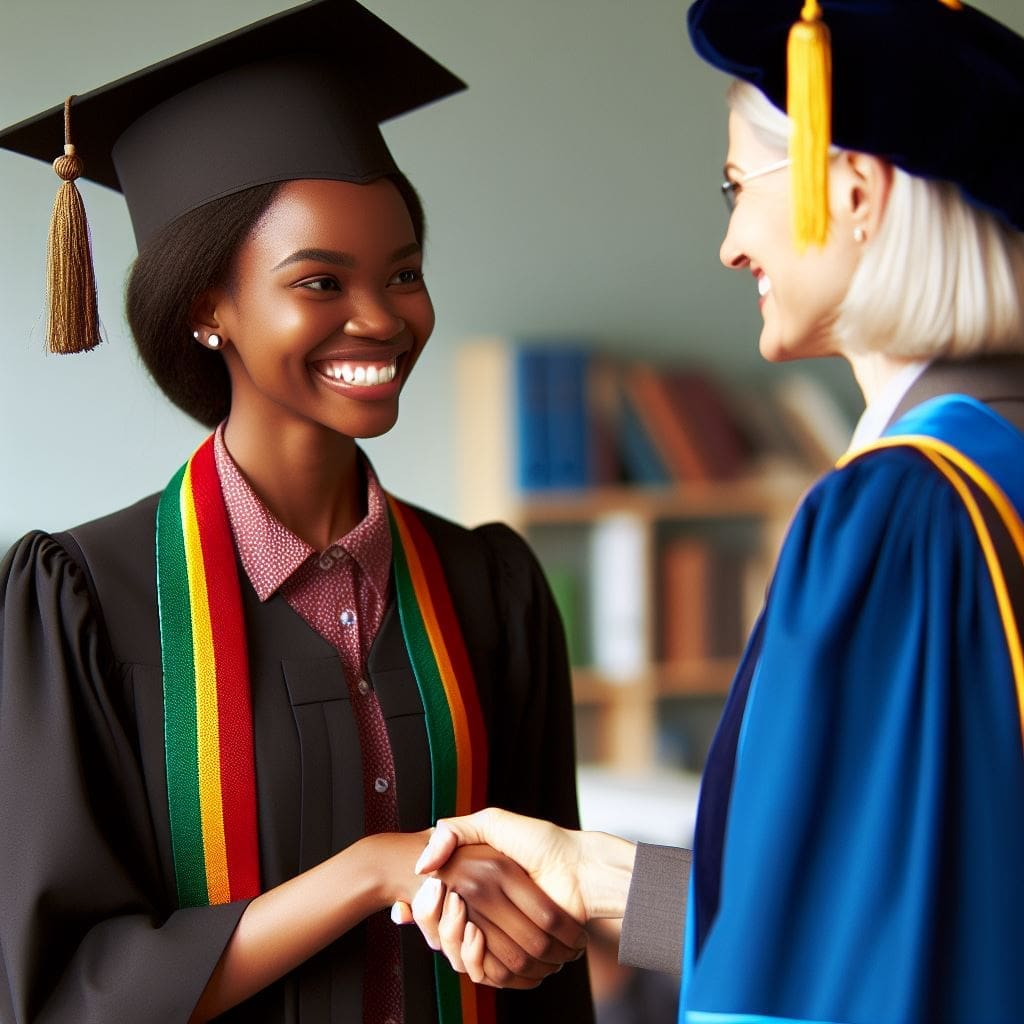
(326, 560)
(382, 785)
(363, 687)
(347, 617)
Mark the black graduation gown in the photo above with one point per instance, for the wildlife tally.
(89, 929)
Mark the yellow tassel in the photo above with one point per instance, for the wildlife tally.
(809, 99)
(71, 283)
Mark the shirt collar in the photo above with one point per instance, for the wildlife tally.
(271, 554)
(879, 411)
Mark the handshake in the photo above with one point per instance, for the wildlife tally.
(506, 897)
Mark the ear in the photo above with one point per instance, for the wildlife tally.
(865, 182)
(207, 314)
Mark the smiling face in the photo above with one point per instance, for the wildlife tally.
(327, 311)
(799, 294)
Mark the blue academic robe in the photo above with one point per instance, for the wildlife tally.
(860, 837)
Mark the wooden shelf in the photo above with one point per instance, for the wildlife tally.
(756, 497)
(709, 677)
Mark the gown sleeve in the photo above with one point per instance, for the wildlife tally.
(874, 834)
(85, 930)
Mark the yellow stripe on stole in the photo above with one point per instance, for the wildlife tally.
(207, 723)
(944, 457)
(460, 720)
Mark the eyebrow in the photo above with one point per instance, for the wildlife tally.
(343, 259)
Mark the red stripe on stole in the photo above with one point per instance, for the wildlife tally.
(234, 704)
(452, 632)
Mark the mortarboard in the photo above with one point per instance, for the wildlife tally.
(296, 95)
(933, 86)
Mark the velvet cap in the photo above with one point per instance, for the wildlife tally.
(937, 91)
(297, 95)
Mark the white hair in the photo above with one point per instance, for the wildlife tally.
(942, 277)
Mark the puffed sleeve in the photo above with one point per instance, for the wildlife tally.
(84, 932)
(874, 834)
(533, 741)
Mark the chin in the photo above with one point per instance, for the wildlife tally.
(774, 349)
(371, 426)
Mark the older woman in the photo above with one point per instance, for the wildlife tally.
(860, 830)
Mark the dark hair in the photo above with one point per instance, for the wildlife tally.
(194, 253)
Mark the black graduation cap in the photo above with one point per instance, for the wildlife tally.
(297, 95)
(934, 86)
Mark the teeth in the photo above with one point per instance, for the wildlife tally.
(361, 374)
(764, 286)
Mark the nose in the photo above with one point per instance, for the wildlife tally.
(730, 253)
(373, 319)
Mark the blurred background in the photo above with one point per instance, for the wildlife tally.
(593, 378)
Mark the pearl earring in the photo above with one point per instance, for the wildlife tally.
(859, 235)
(214, 341)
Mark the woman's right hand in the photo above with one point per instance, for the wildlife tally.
(586, 873)
(516, 934)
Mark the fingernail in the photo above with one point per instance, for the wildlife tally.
(429, 851)
(427, 896)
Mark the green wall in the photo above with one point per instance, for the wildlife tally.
(572, 189)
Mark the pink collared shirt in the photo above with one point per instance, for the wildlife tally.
(342, 593)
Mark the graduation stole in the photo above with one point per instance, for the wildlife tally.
(997, 525)
(208, 733)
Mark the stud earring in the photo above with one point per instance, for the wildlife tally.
(214, 341)
(859, 234)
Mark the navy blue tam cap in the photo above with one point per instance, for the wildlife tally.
(933, 86)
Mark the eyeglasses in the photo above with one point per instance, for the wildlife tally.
(731, 189)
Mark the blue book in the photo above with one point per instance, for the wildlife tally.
(568, 417)
(533, 466)
(640, 458)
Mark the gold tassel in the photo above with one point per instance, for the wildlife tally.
(809, 99)
(71, 282)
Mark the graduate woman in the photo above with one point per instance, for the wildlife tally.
(228, 712)
(860, 832)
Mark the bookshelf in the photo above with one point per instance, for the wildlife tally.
(619, 711)
(658, 583)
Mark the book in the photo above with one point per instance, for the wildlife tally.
(709, 423)
(668, 430)
(820, 429)
(531, 405)
(685, 584)
(566, 589)
(604, 402)
(568, 415)
(522, 421)
(619, 597)
(642, 458)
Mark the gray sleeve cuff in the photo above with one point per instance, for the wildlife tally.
(652, 928)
